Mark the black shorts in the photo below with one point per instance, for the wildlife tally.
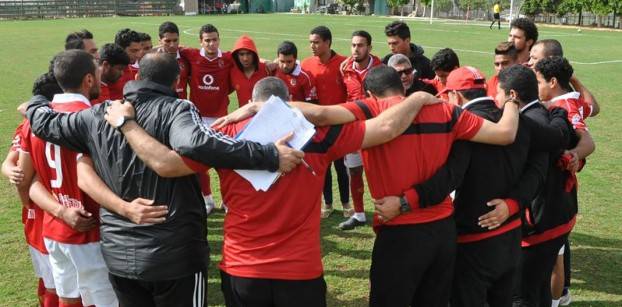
(485, 271)
(258, 292)
(413, 264)
(188, 291)
(496, 16)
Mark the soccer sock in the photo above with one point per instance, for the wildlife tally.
(357, 189)
(78, 304)
(555, 303)
(41, 288)
(50, 299)
(360, 216)
(204, 180)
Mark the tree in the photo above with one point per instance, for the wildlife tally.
(349, 4)
(395, 4)
(600, 8)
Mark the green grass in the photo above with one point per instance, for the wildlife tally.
(597, 246)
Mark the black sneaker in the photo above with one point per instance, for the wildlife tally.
(350, 224)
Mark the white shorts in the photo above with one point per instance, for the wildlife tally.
(79, 271)
(42, 267)
(353, 160)
(562, 250)
(208, 121)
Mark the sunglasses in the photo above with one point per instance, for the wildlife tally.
(406, 71)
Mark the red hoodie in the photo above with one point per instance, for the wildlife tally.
(242, 84)
(354, 79)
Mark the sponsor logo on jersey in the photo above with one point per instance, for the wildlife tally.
(208, 80)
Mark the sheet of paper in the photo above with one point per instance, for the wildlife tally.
(275, 120)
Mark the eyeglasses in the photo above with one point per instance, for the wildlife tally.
(407, 71)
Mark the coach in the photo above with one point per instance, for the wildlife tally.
(163, 264)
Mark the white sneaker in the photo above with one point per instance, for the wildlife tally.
(566, 299)
(209, 203)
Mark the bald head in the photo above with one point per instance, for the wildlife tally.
(161, 68)
(270, 86)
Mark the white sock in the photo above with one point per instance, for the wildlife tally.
(209, 200)
(555, 303)
(360, 216)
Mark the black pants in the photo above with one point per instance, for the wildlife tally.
(496, 19)
(413, 264)
(190, 291)
(342, 180)
(533, 285)
(257, 292)
(485, 271)
(567, 271)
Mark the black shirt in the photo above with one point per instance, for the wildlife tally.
(418, 61)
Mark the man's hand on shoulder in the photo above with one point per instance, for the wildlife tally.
(118, 112)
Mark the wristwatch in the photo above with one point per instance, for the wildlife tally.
(122, 121)
(404, 205)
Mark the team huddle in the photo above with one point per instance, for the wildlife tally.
(473, 181)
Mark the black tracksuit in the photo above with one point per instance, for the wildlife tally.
(418, 61)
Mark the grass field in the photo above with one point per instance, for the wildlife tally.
(596, 240)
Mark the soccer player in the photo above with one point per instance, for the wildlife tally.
(496, 9)
(247, 69)
(506, 55)
(407, 73)
(524, 34)
(354, 72)
(254, 268)
(550, 47)
(324, 67)
(112, 62)
(130, 41)
(82, 40)
(145, 43)
(210, 86)
(70, 222)
(399, 40)
(169, 43)
(300, 84)
(443, 63)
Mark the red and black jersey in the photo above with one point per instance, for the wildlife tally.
(414, 156)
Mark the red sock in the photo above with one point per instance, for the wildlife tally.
(41, 288)
(357, 189)
(78, 304)
(204, 180)
(50, 299)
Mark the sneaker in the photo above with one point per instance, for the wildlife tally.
(348, 210)
(350, 224)
(209, 204)
(566, 299)
(326, 211)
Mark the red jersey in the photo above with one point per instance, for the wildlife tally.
(184, 73)
(116, 89)
(276, 234)
(243, 85)
(438, 85)
(300, 84)
(413, 157)
(491, 89)
(209, 81)
(57, 170)
(354, 78)
(328, 79)
(104, 94)
(572, 104)
(32, 215)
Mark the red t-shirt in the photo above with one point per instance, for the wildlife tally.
(276, 234)
(438, 85)
(57, 170)
(32, 215)
(572, 104)
(184, 73)
(300, 84)
(491, 89)
(328, 79)
(116, 89)
(243, 85)
(413, 157)
(354, 79)
(209, 81)
(104, 94)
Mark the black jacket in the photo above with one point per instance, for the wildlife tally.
(418, 61)
(177, 247)
(481, 172)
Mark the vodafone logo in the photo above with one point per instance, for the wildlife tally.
(208, 83)
(208, 80)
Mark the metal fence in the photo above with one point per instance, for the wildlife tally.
(28, 9)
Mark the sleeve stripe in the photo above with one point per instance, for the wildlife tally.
(364, 108)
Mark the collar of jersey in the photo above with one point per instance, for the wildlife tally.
(371, 62)
(203, 54)
(70, 97)
(571, 95)
(476, 100)
(527, 106)
(296, 70)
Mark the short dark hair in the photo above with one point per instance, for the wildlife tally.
(323, 32)
(520, 79)
(364, 34)
(270, 86)
(397, 28)
(71, 66)
(530, 28)
(382, 79)
(445, 59)
(144, 37)
(208, 28)
(125, 37)
(47, 86)
(75, 40)
(113, 54)
(167, 27)
(557, 67)
(287, 48)
(473, 93)
(507, 49)
(552, 47)
(161, 68)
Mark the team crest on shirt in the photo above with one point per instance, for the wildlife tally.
(292, 82)
(221, 63)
